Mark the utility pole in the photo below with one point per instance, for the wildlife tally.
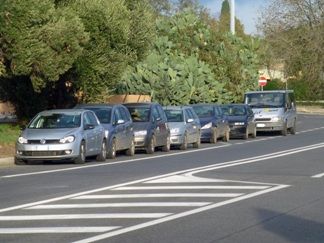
(232, 7)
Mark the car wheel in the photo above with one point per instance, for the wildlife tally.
(131, 150)
(20, 161)
(214, 136)
(197, 143)
(184, 145)
(166, 147)
(103, 152)
(150, 148)
(284, 130)
(226, 137)
(82, 154)
(293, 128)
(112, 151)
(254, 133)
(246, 134)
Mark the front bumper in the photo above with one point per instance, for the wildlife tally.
(140, 141)
(270, 126)
(206, 134)
(47, 151)
(176, 139)
(237, 130)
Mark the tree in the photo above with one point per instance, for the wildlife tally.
(294, 31)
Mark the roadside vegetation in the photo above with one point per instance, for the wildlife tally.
(8, 136)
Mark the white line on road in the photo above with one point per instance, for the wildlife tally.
(85, 216)
(215, 166)
(179, 215)
(158, 195)
(122, 205)
(318, 175)
(56, 230)
(130, 188)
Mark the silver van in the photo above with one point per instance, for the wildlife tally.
(274, 110)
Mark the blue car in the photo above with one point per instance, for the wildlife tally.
(213, 122)
(241, 120)
(118, 127)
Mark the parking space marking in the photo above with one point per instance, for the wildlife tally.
(318, 175)
(59, 230)
(128, 188)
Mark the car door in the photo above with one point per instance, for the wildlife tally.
(190, 125)
(158, 126)
(127, 128)
(164, 127)
(118, 126)
(220, 121)
(98, 131)
(89, 135)
(250, 119)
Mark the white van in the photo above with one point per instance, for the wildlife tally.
(274, 110)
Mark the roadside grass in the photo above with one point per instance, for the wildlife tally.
(9, 134)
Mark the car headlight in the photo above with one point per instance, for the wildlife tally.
(22, 140)
(275, 119)
(106, 133)
(239, 123)
(174, 130)
(208, 125)
(140, 133)
(68, 139)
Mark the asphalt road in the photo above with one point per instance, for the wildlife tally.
(268, 189)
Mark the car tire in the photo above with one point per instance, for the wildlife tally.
(103, 153)
(184, 145)
(131, 150)
(284, 131)
(82, 154)
(112, 151)
(197, 143)
(150, 148)
(226, 137)
(254, 133)
(214, 136)
(246, 134)
(166, 147)
(293, 128)
(20, 161)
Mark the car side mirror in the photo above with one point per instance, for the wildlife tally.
(120, 121)
(190, 120)
(89, 127)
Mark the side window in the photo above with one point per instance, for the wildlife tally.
(218, 111)
(155, 113)
(86, 119)
(288, 101)
(188, 114)
(193, 113)
(292, 98)
(117, 116)
(123, 114)
(93, 119)
(161, 113)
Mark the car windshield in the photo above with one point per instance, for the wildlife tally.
(174, 115)
(204, 111)
(264, 100)
(103, 114)
(56, 120)
(234, 110)
(140, 114)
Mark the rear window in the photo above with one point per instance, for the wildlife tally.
(139, 114)
(235, 110)
(204, 111)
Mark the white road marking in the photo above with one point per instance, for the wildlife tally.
(130, 188)
(122, 205)
(84, 216)
(183, 179)
(215, 166)
(158, 195)
(56, 230)
(179, 215)
(318, 175)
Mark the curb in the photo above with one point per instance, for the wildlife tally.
(7, 161)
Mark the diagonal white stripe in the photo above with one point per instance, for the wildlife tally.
(159, 195)
(56, 230)
(84, 216)
(118, 205)
(126, 188)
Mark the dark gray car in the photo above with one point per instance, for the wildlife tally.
(184, 126)
(151, 128)
(69, 134)
(118, 126)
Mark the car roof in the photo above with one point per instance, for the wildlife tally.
(175, 107)
(140, 104)
(270, 91)
(95, 105)
(62, 111)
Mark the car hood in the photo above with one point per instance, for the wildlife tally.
(267, 112)
(205, 120)
(141, 126)
(236, 119)
(32, 134)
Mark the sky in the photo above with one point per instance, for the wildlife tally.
(247, 11)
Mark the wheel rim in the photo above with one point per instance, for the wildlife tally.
(104, 149)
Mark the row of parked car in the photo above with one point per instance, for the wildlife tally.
(103, 129)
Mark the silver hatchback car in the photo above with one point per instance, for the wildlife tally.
(66, 134)
(184, 126)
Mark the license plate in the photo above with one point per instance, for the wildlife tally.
(260, 125)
